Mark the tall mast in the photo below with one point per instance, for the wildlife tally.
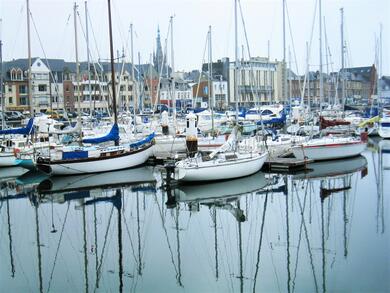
(321, 79)
(342, 57)
(30, 100)
(289, 74)
(77, 66)
(134, 92)
(173, 75)
(89, 73)
(236, 58)
(112, 68)
(1, 80)
(284, 87)
(211, 102)
(270, 84)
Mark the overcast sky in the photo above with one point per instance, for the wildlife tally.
(53, 30)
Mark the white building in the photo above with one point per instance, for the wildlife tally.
(257, 81)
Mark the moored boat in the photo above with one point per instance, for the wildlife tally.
(329, 148)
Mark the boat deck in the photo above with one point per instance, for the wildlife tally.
(286, 164)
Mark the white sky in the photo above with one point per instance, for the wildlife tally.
(263, 20)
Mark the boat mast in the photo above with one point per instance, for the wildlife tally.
(211, 101)
(173, 76)
(1, 80)
(112, 68)
(29, 79)
(321, 79)
(77, 69)
(342, 57)
(236, 58)
(88, 61)
(284, 56)
(134, 92)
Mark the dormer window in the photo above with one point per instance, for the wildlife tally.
(13, 74)
(19, 75)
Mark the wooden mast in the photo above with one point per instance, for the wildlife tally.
(112, 68)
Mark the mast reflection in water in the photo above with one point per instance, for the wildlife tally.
(126, 231)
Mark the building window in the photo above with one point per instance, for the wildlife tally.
(42, 88)
(22, 89)
(23, 101)
(13, 74)
(10, 89)
(10, 100)
(19, 75)
(130, 88)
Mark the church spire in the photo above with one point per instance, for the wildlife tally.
(158, 58)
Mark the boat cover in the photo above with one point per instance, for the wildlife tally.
(113, 135)
(275, 120)
(141, 142)
(22, 130)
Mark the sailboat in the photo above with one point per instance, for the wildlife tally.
(70, 160)
(329, 148)
(384, 124)
(226, 162)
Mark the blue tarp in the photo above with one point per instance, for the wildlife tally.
(22, 130)
(280, 120)
(74, 155)
(113, 135)
(143, 141)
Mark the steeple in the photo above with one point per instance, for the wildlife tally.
(158, 58)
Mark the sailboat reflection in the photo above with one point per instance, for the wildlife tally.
(99, 180)
(334, 168)
(219, 191)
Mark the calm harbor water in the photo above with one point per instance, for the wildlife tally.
(323, 231)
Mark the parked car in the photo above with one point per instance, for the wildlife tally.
(13, 115)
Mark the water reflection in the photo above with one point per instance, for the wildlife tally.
(127, 231)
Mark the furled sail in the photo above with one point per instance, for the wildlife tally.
(22, 130)
(113, 135)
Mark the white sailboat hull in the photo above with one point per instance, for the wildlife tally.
(97, 165)
(384, 129)
(8, 159)
(329, 151)
(213, 170)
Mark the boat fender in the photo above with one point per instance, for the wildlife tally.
(16, 151)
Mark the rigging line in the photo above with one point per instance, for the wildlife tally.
(308, 244)
(61, 43)
(163, 61)
(104, 246)
(260, 242)
(299, 240)
(93, 36)
(58, 248)
(292, 42)
(228, 255)
(201, 70)
(272, 259)
(310, 43)
(131, 242)
(18, 28)
(44, 54)
(166, 233)
(252, 77)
